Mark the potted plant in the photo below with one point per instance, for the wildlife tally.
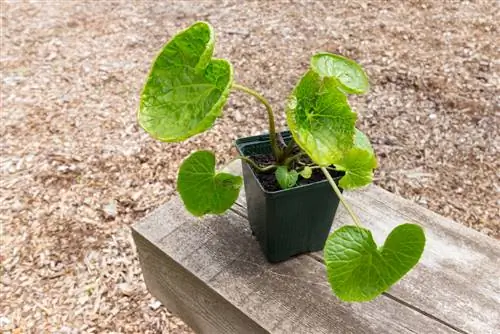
(293, 179)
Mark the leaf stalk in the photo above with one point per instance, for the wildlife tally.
(289, 160)
(270, 115)
(342, 199)
(255, 165)
(289, 148)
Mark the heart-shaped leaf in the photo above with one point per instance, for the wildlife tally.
(358, 163)
(286, 178)
(351, 77)
(186, 88)
(358, 271)
(202, 189)
(320, 118)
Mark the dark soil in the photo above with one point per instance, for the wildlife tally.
(268, 179)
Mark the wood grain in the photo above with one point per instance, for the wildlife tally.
(458, 278)
(212, 273)
(176, 286)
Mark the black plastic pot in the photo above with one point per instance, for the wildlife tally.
(286, 222)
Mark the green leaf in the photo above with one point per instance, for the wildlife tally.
(320, 118)
(349, 74)
(286, 178)
(306, 173)
(202, 189)
(361, 141)
(358, 271)
(186, 88)
(358, 163)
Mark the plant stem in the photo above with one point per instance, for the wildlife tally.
(270, 115)
(292, 158)
(342, 199)
(289, 148)
(251, 162)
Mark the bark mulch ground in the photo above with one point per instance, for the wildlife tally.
(76, 170)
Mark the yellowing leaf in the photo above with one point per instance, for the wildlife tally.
(358, 165)
(306, 173)
(362, 141)
(351, 77)
(320, 119)
(186, 88)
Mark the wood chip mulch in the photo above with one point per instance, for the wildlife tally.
(76, 171)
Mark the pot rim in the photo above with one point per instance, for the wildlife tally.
(245, 141)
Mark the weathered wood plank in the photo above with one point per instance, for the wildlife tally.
(181, 291)
(458, 278)
(212, 273)
(294, 297)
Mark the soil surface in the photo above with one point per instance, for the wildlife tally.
(76, 171)
(268, 179)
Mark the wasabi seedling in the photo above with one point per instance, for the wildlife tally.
(185, 93)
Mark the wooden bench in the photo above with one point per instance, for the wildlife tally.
(211, 272)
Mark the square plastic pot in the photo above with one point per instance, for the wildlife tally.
(286, 222)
